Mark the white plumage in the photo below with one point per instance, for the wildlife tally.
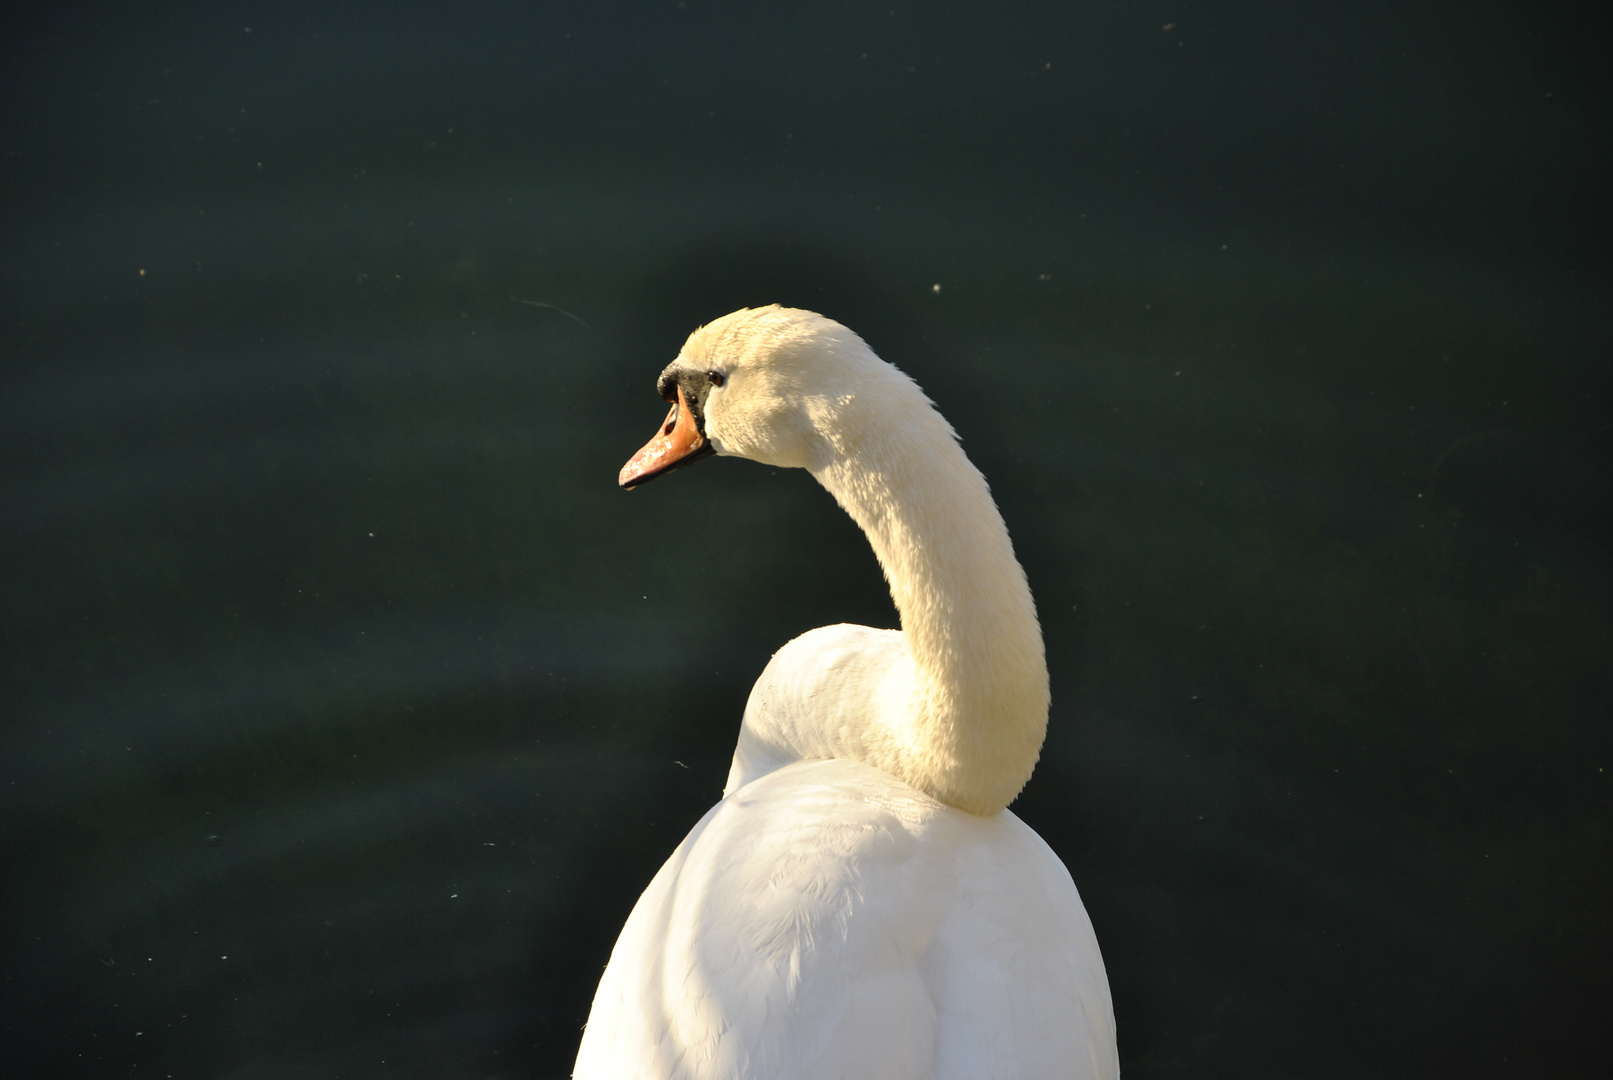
(860, 903)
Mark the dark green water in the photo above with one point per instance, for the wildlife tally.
(346, 705)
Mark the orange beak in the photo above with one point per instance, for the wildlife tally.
(677, 443)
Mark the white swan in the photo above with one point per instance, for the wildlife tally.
(860, 903)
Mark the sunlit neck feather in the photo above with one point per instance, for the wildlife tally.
(961, 712)
(977, 708)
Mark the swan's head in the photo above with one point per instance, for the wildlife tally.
(770, 384)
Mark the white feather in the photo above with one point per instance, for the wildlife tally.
(860, 903)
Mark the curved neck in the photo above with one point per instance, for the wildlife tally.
(976, 692)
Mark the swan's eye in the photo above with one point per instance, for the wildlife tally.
(716, 378)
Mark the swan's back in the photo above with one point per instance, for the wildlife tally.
(827, 920)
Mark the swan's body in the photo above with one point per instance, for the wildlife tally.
(861, 903)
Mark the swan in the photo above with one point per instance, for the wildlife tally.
(861, 903)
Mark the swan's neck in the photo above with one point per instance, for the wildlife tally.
(965, 714)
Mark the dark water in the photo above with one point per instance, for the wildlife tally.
(347, 705)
